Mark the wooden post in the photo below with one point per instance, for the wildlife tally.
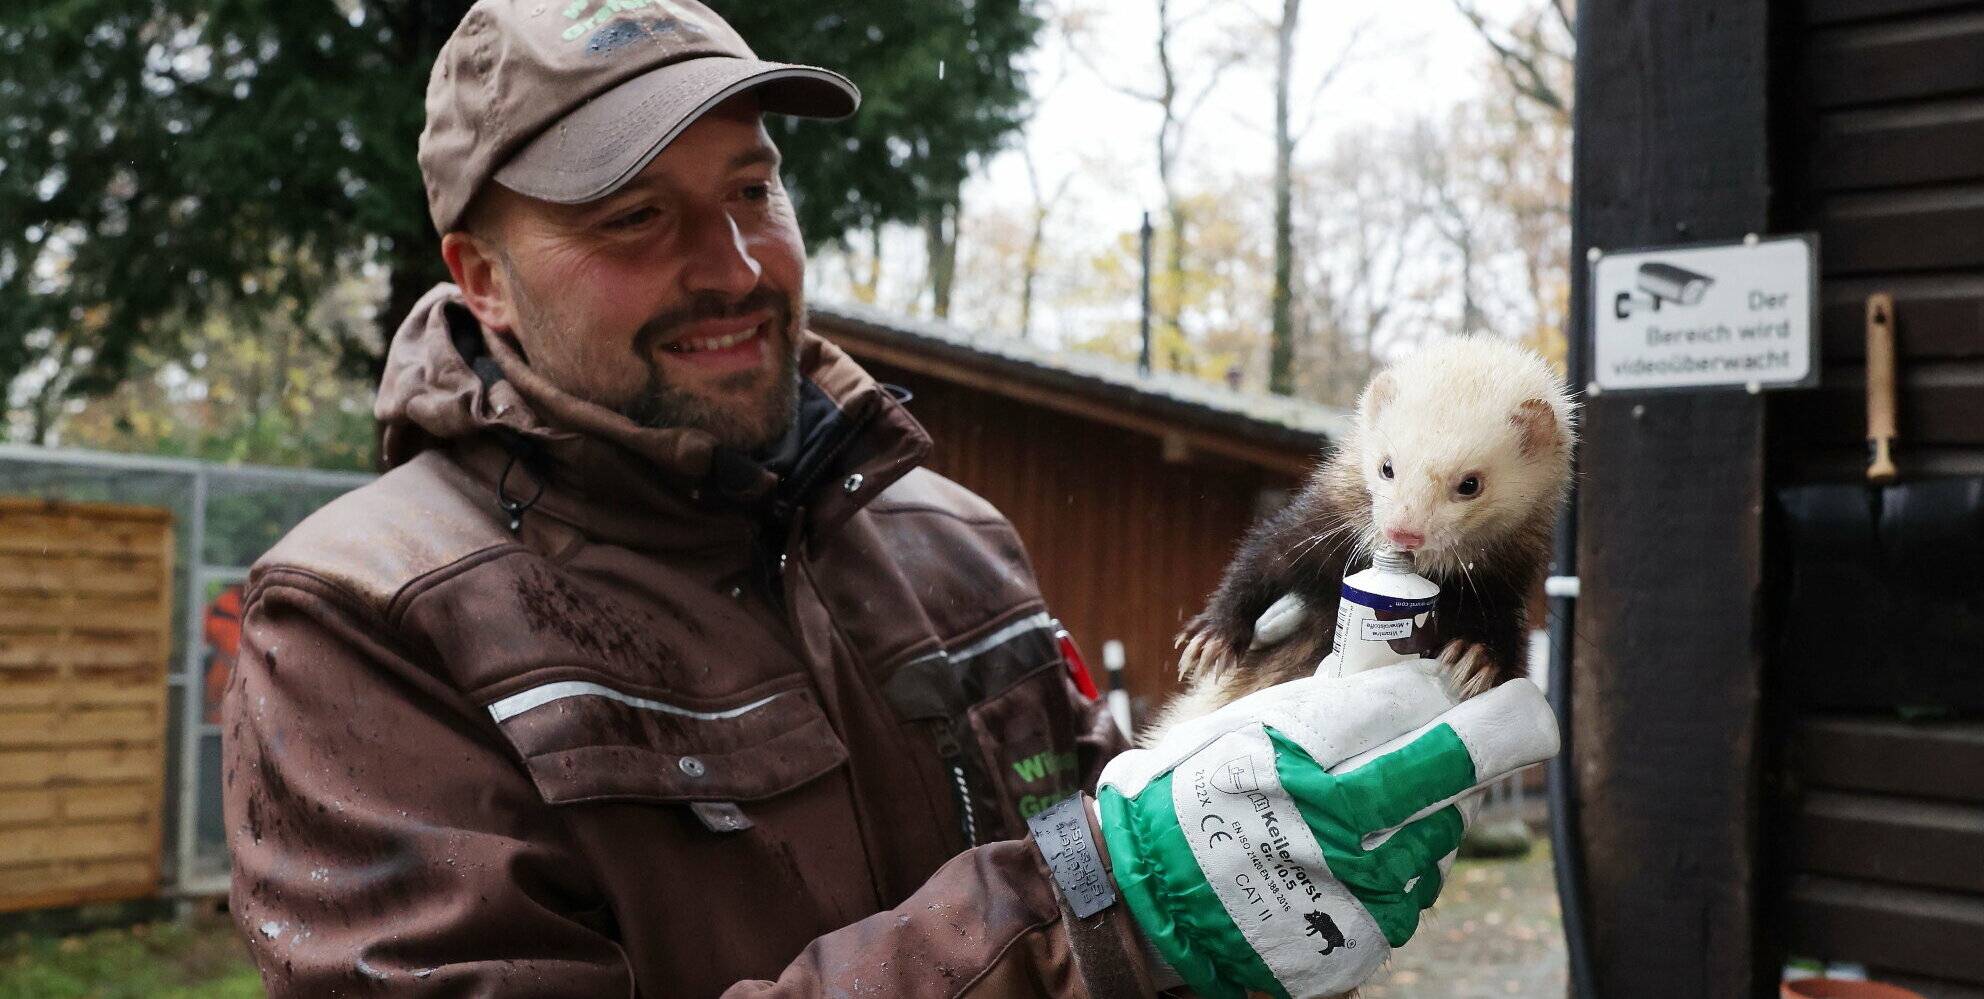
(1671, 118)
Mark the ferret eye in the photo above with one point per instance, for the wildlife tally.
(1386, 468)
(1470, 486)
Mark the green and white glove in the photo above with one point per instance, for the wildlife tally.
(1288, 841)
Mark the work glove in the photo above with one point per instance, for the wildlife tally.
(1286, 842)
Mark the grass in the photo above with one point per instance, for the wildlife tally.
(199, 959)
(1495, 934)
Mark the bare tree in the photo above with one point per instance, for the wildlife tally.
(1535, 51)
(1043, 207)
(1281, 349)
(1178, 95)
(1524, 160)
(1044, 201)
(1451, 206)
(1528, 146)
(1358, 231)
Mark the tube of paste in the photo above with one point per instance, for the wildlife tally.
(1385, 616)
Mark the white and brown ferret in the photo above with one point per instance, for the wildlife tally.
(1459, 454)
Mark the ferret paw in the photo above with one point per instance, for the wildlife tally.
(1205, 655)
(1469, 667)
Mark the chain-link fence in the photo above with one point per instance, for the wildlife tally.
(224, 517)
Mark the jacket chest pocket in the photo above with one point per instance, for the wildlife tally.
(1001, 710)
(715, 800)
(1027, 744)
(585, 742)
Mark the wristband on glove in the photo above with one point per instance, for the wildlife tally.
(1107, 951)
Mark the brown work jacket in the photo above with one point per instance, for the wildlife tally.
(562, 706)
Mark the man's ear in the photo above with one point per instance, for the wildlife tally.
(484, 280)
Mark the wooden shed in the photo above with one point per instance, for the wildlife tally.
(1130, 490)
(85, 641)
(1778, 711)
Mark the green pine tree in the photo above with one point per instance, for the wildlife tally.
(165, 160)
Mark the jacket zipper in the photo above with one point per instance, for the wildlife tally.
(947, 744)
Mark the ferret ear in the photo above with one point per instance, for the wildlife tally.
(1377, 395)
(1536, 427)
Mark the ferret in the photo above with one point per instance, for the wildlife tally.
(1459, 454)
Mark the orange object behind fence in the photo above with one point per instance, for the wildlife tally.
(85, 641)
(222, 628)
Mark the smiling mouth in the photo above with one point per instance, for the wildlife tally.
(702, 344)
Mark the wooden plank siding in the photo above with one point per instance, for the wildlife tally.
(1881, 140)
(85, 642)
(1126, 543)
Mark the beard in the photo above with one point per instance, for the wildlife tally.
(743, 410)
(747, 410)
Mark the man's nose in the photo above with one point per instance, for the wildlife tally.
(720, 260)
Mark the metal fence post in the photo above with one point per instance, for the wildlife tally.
(193, 697)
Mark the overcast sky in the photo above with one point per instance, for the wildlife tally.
(1410, 57)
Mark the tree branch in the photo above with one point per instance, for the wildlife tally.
(1337, 65)
(1083, 57)
(1226, 62)
(1524, 70)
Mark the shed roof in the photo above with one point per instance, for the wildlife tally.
(1269, 430)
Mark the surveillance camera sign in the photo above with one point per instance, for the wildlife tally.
(1742, 314)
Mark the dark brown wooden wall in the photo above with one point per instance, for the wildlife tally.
(1881, 150)
(1126, 544)
(1879, 821)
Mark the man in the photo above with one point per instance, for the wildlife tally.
(655, 665)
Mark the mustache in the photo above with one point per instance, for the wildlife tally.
(665, 325)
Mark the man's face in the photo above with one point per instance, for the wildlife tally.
(676, 300)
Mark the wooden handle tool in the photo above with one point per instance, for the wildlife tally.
(1880, 388)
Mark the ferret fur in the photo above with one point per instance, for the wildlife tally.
(1461, 406)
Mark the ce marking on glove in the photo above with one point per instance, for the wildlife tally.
(1217, 834)
(1202, 791)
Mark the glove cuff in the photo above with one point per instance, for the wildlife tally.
(1181, 917)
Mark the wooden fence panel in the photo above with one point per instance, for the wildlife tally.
(85, 643)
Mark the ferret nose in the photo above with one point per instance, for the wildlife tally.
(1404, 540)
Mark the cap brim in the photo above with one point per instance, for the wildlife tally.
(591, 152)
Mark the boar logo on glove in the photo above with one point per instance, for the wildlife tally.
(1320, 924)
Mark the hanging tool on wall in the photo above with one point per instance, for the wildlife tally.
(1880, 388)
(1883, 575)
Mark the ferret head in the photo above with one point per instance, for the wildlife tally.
(1467, 439)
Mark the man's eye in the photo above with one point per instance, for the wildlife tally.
(757, 192)
(628, 220)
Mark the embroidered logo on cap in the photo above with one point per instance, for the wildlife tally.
(676, 20)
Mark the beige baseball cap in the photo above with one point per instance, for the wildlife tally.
(566, 100)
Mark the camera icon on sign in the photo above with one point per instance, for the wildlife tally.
(1660, 283)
